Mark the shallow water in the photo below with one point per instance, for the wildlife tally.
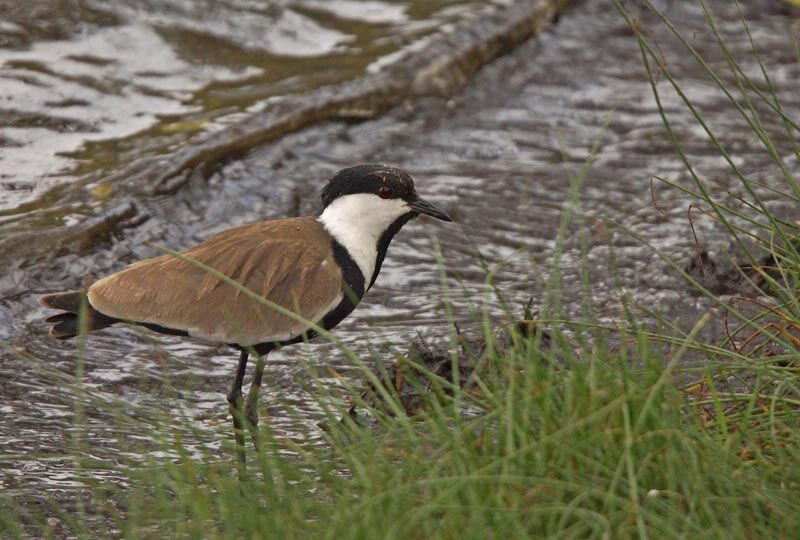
(88, 86)
(497, 155)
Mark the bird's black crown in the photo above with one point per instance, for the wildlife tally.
(386, 182)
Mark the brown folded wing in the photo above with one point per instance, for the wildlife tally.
(289, 262)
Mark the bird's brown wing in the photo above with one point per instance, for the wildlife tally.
(289, 262)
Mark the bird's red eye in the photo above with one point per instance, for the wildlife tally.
(385, 192)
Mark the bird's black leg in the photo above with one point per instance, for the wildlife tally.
(235, 401)
(251, 406)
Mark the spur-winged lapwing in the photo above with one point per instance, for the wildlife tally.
(316, 267)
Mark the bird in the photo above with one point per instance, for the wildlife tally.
(311, 272)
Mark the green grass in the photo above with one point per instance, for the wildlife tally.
(607, 432)
(556, 443)
(592, 448)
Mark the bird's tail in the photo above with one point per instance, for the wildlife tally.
(66, 325)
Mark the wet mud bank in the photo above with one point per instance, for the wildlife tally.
(432, 367)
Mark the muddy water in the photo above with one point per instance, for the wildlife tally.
(77, 79)
(498, 155)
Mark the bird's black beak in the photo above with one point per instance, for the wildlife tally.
(421, 206)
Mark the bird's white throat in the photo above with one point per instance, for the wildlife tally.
(357, 222)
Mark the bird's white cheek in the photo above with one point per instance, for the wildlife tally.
(358, 221)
